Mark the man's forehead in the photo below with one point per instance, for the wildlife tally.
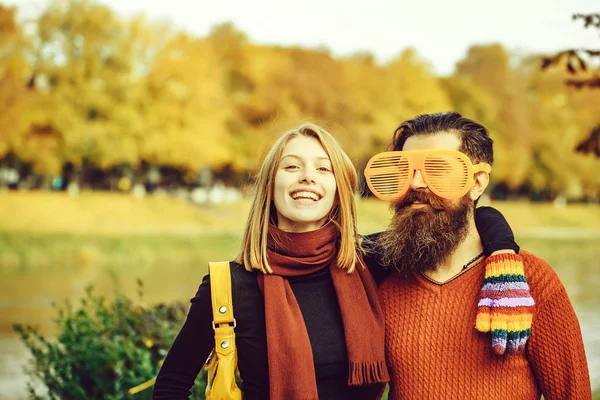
(442, 140)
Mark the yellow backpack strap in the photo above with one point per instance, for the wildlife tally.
(220, 290)
(222, 364)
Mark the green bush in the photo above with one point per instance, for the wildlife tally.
(102, 350)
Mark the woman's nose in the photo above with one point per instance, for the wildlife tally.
(308, 175)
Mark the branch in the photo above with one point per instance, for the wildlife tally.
(592, 20)
(574, 59)
(591, 144)
(591, 83)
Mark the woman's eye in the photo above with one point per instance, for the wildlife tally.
(291, 166)
(324, 169)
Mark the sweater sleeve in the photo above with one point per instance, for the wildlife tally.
(189, 351)
(555, 349)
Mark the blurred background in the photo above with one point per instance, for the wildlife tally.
(130, 131)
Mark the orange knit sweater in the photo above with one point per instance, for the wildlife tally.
(435, 352)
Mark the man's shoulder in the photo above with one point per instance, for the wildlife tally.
(542, 278)
(535, 265)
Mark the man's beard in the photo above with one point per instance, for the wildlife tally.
(418, 239)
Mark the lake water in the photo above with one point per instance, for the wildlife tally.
(27, 298)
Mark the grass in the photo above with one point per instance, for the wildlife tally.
(93, 229)
(105, 213)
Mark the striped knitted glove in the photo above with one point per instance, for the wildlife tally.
(505, 305)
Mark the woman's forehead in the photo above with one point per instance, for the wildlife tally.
(304, 147)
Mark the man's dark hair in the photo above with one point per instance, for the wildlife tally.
(475, 140)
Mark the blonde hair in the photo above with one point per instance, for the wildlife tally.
(253, 251)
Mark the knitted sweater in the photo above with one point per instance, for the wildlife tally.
(435, 352)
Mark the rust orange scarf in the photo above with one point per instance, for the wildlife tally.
(291, 365)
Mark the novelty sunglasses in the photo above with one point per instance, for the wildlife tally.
(447, 173)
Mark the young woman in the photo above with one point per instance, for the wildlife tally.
(309, 324)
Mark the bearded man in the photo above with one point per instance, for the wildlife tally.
(459, 324)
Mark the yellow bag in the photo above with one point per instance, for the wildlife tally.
(222, 362)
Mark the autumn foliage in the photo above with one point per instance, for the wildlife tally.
(83, 86)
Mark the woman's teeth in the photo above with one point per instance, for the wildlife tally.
(305, 195)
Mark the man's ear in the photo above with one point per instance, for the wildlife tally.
(481, 181)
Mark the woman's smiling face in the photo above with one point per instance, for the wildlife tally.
(304, 187)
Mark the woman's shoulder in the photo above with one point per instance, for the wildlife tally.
(241, 274)
(243, 284)
(247, 296)
(237, 271)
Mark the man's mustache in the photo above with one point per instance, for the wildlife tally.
(424, 196)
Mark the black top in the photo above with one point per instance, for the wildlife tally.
(318, 303)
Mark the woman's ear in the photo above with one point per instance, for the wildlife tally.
(481, 181)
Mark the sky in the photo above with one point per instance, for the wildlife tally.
(440, 31)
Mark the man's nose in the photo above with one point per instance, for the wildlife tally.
(417, 182)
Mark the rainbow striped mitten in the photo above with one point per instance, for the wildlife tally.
(505, 305)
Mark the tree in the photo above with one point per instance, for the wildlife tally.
(83, 77)
(14, 75)
(488, 69)
(584, 75)
(185, 107)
